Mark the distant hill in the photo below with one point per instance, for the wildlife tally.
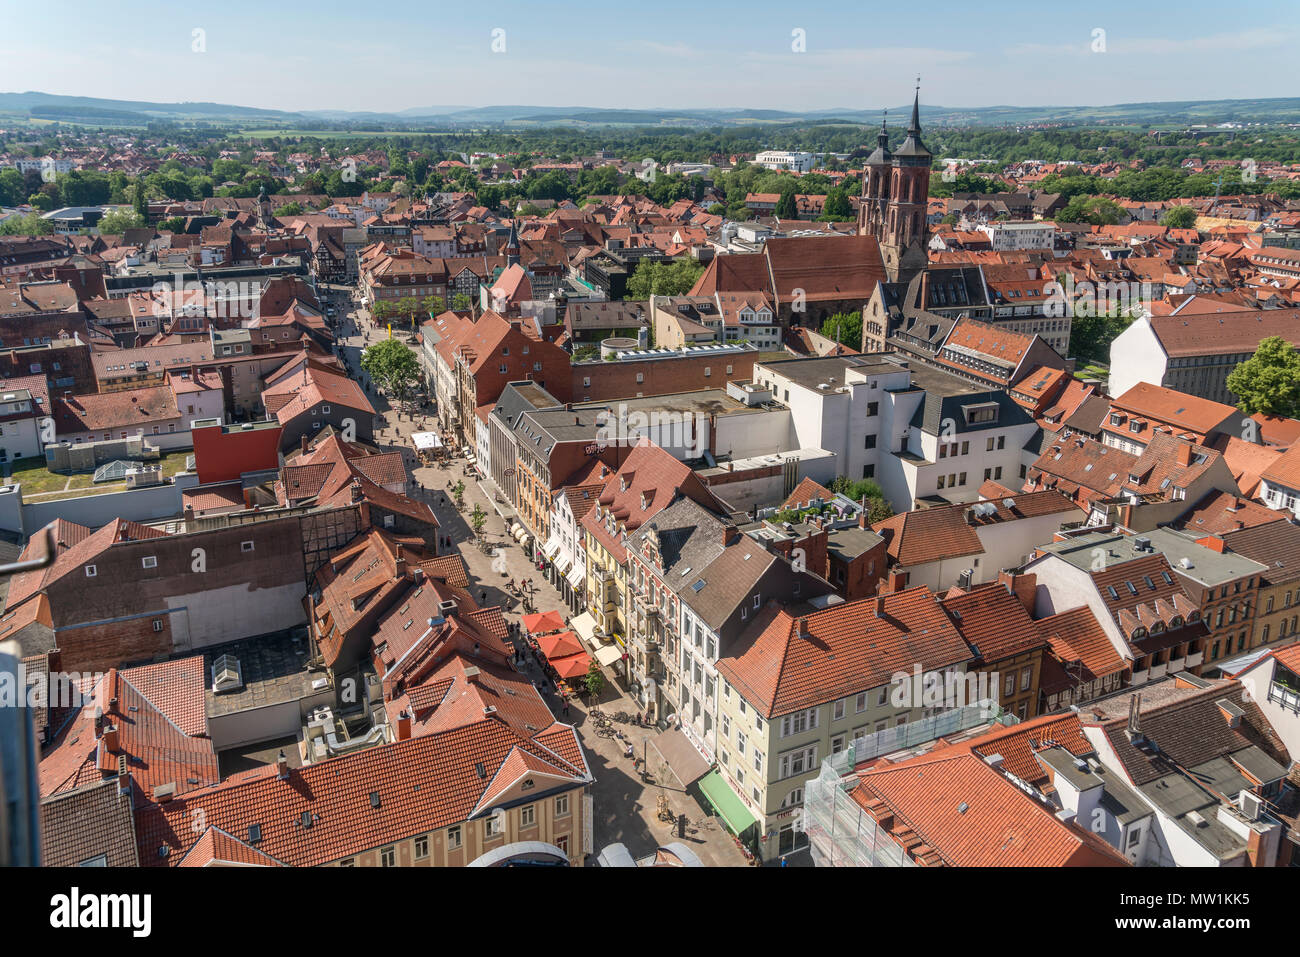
(88, 109)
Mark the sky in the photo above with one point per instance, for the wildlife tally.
(848, 54)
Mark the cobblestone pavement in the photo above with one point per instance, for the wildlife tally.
(626, 807)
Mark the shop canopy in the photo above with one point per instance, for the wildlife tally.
(574, 666)
(608, 654)
(541, 622)
(585, 626)
(560, 645)
(426, 440)
(730, 808)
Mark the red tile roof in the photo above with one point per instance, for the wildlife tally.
(1019, 743)
(952, 809)
(1076, 636)
(75, 546)
(131, 409)
(805, 492)
(1180, 410)
(299, 392)
(161, 726)
(930, 534)
(645, 484)
(850, 649)
(419, 785)
(993, 621)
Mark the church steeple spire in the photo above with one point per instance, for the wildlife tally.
(912, 146)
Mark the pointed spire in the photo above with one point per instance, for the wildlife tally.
(912, 145)
(882, 140)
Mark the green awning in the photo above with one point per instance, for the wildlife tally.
(730, 808)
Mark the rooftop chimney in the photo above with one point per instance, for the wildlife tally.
(111, 741)
(880, 606)
(803, 629)
(282, 765)
(1184, 453)
(403, 726)
(303, 444)
(472, 674)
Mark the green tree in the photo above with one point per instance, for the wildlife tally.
(394, 366)
(11, 187)
(844, 328)
(1180, 217)
(458, 493)
(594, 680)
(785, 206)
(172, 224)
(837, 206)
(461, 302)
(1269, 381)
(673, 278)
(1094, 210)
(30, 225)
(290, 209)
(118, 221)
(477, 519)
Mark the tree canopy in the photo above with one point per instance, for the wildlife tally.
(1269, 381)
(674, 278)
(393, 366)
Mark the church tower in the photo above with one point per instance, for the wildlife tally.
(875, 187)
(512, 247)
(895, 200)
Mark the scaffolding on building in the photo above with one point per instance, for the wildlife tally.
(839, 830)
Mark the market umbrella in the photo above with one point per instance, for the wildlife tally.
(543, 621)
(561, 645)
(573, 666)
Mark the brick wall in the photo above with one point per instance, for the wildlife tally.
(597, 381)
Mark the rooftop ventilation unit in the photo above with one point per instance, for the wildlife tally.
(227, 674)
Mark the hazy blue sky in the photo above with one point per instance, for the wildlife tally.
(395, 55)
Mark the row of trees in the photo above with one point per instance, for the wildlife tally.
(410, 307)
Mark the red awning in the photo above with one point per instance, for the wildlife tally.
(574, 666)
(541, 622)
(560, 645)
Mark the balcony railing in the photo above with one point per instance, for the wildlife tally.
(1283, 696)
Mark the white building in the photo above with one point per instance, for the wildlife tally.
(786, 159)
(1011, 236)
(918, 431)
